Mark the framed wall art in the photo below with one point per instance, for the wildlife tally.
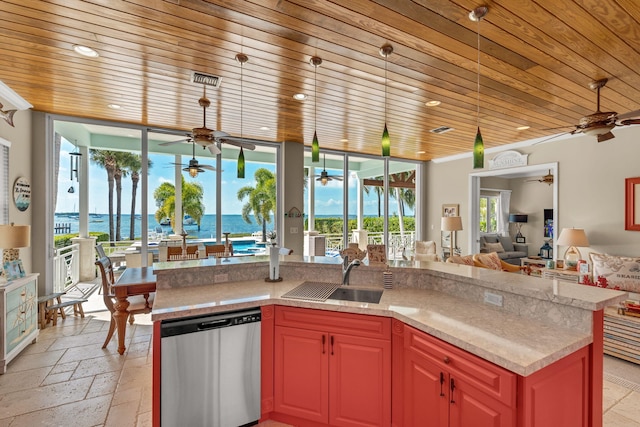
(632, 204)
(450, 210)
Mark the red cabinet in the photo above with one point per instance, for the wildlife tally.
(445, 386)
(332, 368)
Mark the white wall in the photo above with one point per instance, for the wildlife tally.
(590, 189)
(20, 166)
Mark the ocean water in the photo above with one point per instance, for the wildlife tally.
(100, 223)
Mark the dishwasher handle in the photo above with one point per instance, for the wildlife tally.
(214, 324)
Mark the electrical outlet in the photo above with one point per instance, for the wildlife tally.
(494, 299)
(293, 230)
(220, 277)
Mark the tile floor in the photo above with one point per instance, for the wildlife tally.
(66, 379)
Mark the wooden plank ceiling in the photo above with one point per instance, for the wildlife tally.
(537, 60)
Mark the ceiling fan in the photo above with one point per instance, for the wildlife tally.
(601, 123)
(547, 179)
(194, 167)
(209, 138)
(324, 177)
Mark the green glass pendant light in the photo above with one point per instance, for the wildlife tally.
(476, 15)
(315, 145)
(385, 51)
(241, 58)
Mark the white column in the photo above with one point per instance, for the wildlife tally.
(83, 190)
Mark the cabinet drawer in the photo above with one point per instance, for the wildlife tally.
(495, 381)
(329, 321)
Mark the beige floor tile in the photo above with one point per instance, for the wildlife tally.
(81, 340)
(25, 401)
(37, 360)
(41, 346)
(77, 354)
(104, 384)
(64, 367)
(22, 380)
(85, 413)
(144, 419)
(124, 415)
(98, 365)
(615, 419)
(129, 395)
(629, 406)
(612, 393)
(57, 378)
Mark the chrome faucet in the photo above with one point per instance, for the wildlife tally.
(346, 269)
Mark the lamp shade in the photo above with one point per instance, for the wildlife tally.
(15, 236)
(518, 218)
(451, 223)
(573, 237)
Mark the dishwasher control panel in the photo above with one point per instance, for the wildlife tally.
(215, 321)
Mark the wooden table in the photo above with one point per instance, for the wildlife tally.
(133, 281)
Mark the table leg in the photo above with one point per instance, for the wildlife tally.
(120, 315)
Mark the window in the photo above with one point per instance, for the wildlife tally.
(489, 206)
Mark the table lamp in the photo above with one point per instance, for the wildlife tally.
(518, 220)
(13, 237)
(451, 224)
(572, 237)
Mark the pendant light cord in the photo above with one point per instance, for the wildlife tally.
(385, 87)
(241, 100)
(478, 80)
(315, 97)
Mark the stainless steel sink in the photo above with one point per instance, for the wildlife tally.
(356, 294)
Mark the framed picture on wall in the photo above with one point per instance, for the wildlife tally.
(450, 210)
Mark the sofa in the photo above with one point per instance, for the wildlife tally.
(507, 250)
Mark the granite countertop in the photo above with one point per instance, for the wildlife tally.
(514, 342)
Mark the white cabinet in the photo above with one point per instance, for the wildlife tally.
(19, 326)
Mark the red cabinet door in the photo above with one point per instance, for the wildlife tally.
(426, 392)
(469, 406)
(359, 381)
(301, 373)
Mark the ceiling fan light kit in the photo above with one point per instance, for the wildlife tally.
(315, 145)
(385, 51)
(476, 15)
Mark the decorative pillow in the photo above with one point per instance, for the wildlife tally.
(457, 259)
(491, 261)
(507, 244)
(494, 247)
(618, 270)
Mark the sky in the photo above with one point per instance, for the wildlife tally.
(328, 198)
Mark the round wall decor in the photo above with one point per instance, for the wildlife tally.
(22, 193)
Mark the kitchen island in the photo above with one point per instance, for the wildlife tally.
(532, 328)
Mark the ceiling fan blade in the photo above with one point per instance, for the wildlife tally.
(208, 167)
(238, 142)
(164, 144)
(630, 122)
(213, 149)
(219, 134)
(629, 115)
(337, 177)
(605, 137)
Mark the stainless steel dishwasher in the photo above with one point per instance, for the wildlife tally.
(210, 370)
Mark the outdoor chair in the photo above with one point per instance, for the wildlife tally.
(174, 253)
(217, 250)
(137, 304)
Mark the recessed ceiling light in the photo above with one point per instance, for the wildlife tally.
(420, 152)
(523, 127)
(432, 103)
(344, 140)
(114, 106)
(85, 51)
(300, 96)
(264, 128)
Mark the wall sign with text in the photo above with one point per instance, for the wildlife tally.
(22, 193)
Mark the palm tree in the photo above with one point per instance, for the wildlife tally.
(133, 163)
(107, 160)
(165, 197)
(261, 199)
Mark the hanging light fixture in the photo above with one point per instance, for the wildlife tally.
(385, 51)
(241, 58)
(315, 145)
(476, 15)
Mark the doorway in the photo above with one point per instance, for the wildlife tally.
(533, 172)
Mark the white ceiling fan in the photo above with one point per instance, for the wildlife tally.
(209, 138)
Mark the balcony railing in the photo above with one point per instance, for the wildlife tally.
(400, 244)
(66, 265)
